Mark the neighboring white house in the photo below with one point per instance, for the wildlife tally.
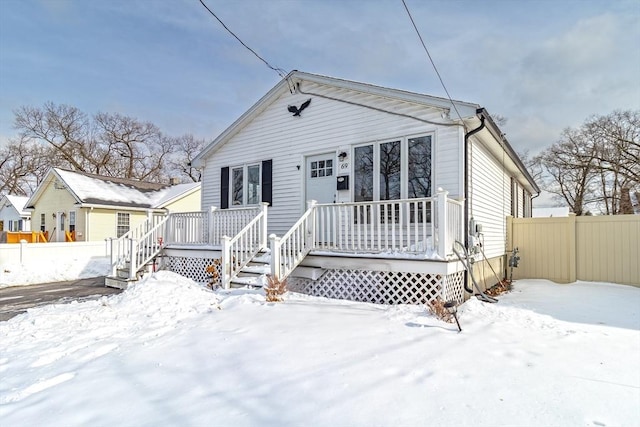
(13, 216)
(374, 158)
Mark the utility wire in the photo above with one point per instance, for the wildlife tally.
(430, 59)
(282, 73)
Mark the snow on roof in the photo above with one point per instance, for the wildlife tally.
(18, 202)
(96, 189)
(168, 194)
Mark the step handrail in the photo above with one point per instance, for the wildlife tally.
(146, 247)
(288, 251)
(239, 250)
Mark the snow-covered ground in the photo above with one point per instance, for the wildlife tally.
(16, 274)
(170, 352)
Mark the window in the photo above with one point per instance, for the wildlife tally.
(403, 168)
(253, 184)
(42, 222)
(514, 198)
(237, 186)
(122, 226)
(245, 185)
(321, 168)
(72, 221)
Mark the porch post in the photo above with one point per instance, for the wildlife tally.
(263, 229)
(211, 215)
(225, 261)
(133, 258)
(444, 243)
(114, 258)
(275, 256)
(310, 238)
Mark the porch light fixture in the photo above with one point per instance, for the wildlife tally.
(453, 309)
(342, 155)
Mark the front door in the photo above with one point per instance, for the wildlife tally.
(320, 185)
(320, 178)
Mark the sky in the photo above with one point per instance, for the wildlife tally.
(544, 65)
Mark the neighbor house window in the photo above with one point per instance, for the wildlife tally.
(246, 185)
(72, 221)
(122, 226)
(42, 222)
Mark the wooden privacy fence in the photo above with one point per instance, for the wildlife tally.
(566, 249)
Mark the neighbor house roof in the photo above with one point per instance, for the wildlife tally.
(96, 190)
(18, 203)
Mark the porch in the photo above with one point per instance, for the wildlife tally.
(387, 251)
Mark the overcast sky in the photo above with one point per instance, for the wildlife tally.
(544, 65)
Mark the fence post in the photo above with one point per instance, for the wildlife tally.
(23, 245)
(443, 241)
(225, 262)
(211, 215)
(275, 256)
(573, 254)
(263, 229)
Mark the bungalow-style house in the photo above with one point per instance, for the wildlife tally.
(78, 206)
(365, 192)
(13, 217)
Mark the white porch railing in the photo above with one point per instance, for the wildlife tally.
(289, 250)
(238, 250)
(425, 226)
(121, 248)
(208, 227)
(138, 246)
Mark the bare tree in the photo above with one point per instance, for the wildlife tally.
(186, 149)
(108, 144)
(23, 166)
(63, 127)
(596, 165)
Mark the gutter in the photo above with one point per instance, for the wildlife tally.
(466, 172)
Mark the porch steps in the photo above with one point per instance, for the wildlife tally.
(121, 279)
(253, 274)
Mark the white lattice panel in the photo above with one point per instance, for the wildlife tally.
(382, 287)
(193, 268)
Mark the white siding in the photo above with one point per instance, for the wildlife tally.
(489, 198)
(325, 126)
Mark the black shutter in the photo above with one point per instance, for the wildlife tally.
(267, 187)
(224, 188)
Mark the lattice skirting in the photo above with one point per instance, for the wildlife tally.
(382, 287)
(193, 268)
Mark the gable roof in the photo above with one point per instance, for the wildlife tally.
(96, 190)
(469, 113)
(18, 203)
(296, 79)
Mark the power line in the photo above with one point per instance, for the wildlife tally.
(282, 73)
(430, 59)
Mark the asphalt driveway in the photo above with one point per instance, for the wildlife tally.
(17, 299)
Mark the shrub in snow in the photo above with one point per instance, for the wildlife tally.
(275, 289)
(438, 309)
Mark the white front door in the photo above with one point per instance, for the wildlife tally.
(320, 181)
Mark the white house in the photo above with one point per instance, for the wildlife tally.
(397, 178)
(13, 216)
